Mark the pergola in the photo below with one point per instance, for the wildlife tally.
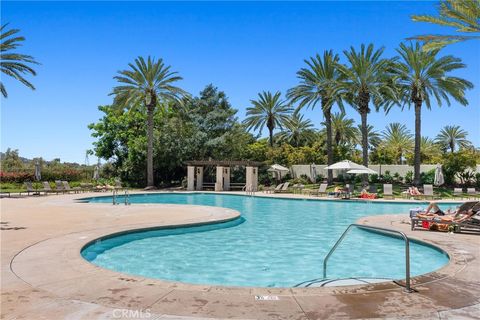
(195, 174)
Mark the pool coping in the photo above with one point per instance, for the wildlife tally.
(173, 296)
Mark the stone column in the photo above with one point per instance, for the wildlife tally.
(252, 178)
(199, 178)
(219, 182)
(190, 178)
(226, 178)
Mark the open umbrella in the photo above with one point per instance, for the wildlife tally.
(439, 180)
(363, 171)
(278, 170)
(345, 165)
(38, 174)
(96, 174)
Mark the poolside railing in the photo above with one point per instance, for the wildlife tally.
(403, 235)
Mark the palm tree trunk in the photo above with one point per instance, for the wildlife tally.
(418, 138)
(328, 123)
(270, 130)
(150, 182)
(364, 145)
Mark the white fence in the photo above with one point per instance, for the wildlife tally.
(305, 169)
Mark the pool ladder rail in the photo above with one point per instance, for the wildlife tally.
(249, 190)
(381, 231)
(126, 197)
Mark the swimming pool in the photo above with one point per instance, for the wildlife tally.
(275, 243)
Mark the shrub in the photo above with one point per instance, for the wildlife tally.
(427, 177)
(477, 180)
(409, 177)
(373, 178)
(387, 177)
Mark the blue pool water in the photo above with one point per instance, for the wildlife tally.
(276, 243)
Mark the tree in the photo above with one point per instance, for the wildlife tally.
(343, 129)
(319, 84)
(422, 77)
(451, 137)
(270, 111)
(150, 84)
(366, 79)
(464, 15)
(398, 139)
(13, 64)
(373, 137)
(297, 131)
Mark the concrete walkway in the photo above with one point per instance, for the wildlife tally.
(43, 275)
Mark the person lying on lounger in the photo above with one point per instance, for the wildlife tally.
(433, 210)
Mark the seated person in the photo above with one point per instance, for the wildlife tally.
(338, 191)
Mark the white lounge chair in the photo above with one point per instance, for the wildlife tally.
(388, 191)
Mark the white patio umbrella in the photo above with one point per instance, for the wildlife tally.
(38, 174)
(278, 170)
(439, 180)
(96, 174)
(345, 165)
(363, 171)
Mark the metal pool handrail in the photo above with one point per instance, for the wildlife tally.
(407, 250)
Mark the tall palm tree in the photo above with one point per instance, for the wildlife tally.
(319, 85)
(398, 139)
(366, 79)
(268, 110)
(464, 15)
(297, 131)
(147, 83)
(451, 137)
(14, 65)
(421, 78)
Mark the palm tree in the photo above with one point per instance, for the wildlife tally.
(429, 150)
(319, 85)
(343, 129)
(270, 111)
(14, 65)
(297, 130)
(150, 84)
(398, 139)
(452, 136)
(374, 137)
(464, 15)
(366, 80)
(421, 77)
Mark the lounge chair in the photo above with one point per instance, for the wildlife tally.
(472, 193)
(284, 188)
(458, 192)
(31, 189)
(277, 188)
(87, 187)
(428, 191)
(388, 191)
(322, 190)
(372, 189)
(67, 188)
(470, 222)
(48, 189)
(59, 186)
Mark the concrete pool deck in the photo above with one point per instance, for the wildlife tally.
(43, 275)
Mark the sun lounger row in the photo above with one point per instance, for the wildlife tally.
(64, 187)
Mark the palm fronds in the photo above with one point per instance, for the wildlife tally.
(15, 65)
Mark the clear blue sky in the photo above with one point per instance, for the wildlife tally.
(243, 48)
